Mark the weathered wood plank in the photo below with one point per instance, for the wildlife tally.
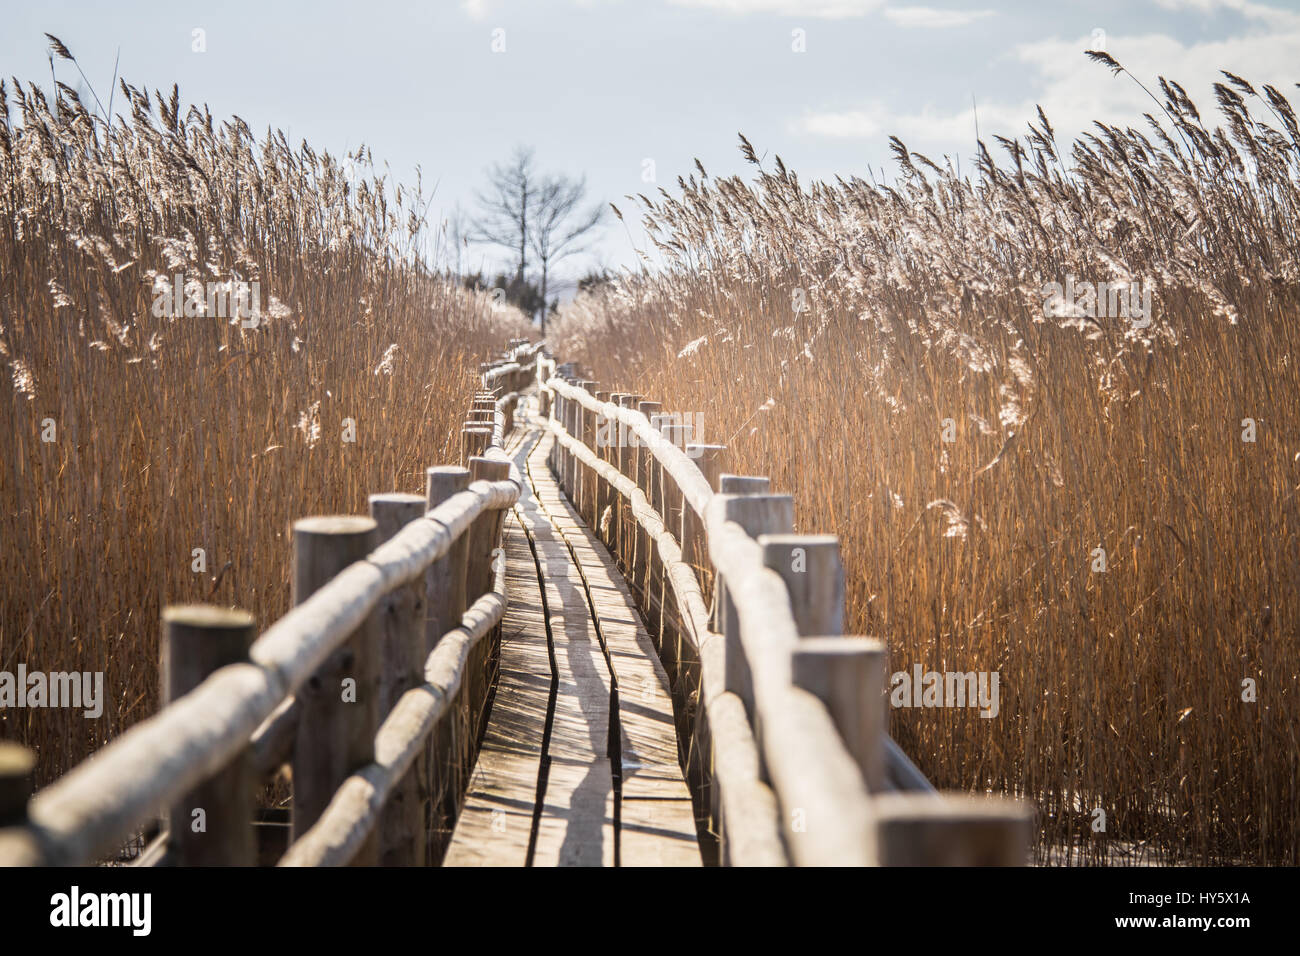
(657, 823)
(575, 825)
(658, 832)
(575, 822)
(721, 749)
(495, 824)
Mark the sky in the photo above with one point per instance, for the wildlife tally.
(628, 93)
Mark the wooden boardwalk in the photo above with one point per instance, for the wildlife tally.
(516, 710)
(579, 761)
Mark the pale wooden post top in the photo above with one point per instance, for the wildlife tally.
(433, 470)
(813, 573)
(393, 510)
(743, 484)
(395, 498)
(759, 513)
(207, 617)
(335, 524)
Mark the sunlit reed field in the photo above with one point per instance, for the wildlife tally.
(132, 439)
(825, 331)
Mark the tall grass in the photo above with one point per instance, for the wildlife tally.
(1121, 689)
(176, 434)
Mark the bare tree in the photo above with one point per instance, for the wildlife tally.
(559, 226)
(524, 211)
(506, 207)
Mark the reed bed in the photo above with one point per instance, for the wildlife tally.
(826, 331)
(172, 434)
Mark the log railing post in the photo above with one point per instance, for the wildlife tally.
(450, 748)
(813, 573)
(402, 831)
(708, 458)
(339, 713)
(474, 439)
(445, 582)
(576, 416)
(847, 674)
(625, 462)
(557, 416)
(484, 537)
(605, 494)
(731, 485)
(757, 514)
(564, 406)
(640, 459)
(584, 492)
(957, 830)
(563, 409)
(212, 825)
(485, 531)
(402, 612)
(678, 434)
(647, 553)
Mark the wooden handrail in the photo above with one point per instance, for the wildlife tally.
(748, 800)
(797, 767)
(828, 813)
(357, 805)
(249, 706)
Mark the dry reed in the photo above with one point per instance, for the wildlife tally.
(1121, 690)
(176, 434)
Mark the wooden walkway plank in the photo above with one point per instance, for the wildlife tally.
(658, 833)
(657, 822)
(576, 827)
(495, 826)
(576, 823)
(553, 659)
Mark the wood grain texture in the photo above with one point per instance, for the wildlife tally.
(212, 825)
(723, 758)
(594, 731)
(495, 825)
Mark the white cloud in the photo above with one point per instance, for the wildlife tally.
(855, 124)
(1074, 91)
(1248, 9)
(929, 17)
(952, 129)
(820, 9)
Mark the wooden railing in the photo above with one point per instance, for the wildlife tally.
(372, 688)
(783, 720)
